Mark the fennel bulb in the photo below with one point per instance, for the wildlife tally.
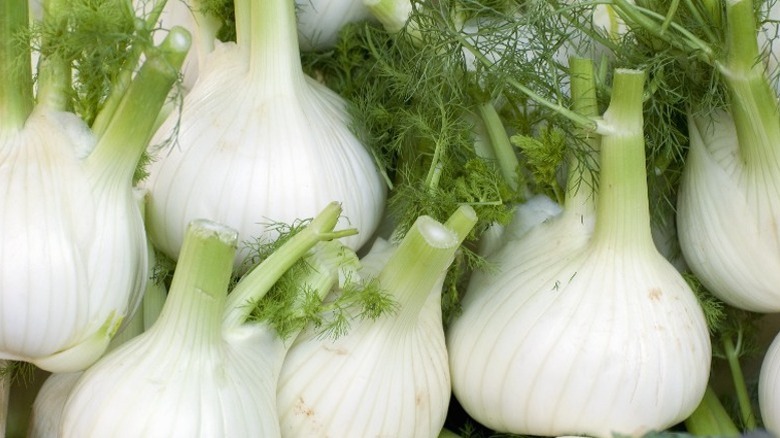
(389, 376)
(72, 239)
(727, 216)
(728, 212)
(769, 387)
(320, 21)
(258, 139)
(202, 369)
(584, 328)
(50, 400)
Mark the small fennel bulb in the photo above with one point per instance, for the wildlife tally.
(769, 388)
(258, 139)
(72, 240)
(584, 328)
(203, 369)
(319, 21)
(388, 376)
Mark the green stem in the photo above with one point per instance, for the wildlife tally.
(254, 285)
(753, 102)
(421, 260)
(580, 181)
(54, 72)
(16, 97)
(124, 78)
(579, 119)
(710, 418)
(275, 57)
(325, 261)
(622, 205)
(193, 309)
(747, 416)
(127, 134)
(502, 148)
(5, 396)
(706, 11)
(637, 17)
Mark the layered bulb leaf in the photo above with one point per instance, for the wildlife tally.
(387, 376)
(202, 369)
(257, 139)
(583, 327)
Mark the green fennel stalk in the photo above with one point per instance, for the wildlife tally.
(258, 281)
(710, 418)
(16, 92)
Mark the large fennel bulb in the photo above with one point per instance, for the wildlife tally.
(72, 239)
(202, 369)
(584, 328)
(389, 376)
(769, 388)
(257, 139)
(728, 213)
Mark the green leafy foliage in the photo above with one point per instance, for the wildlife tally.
(295, 299)
(98, 40)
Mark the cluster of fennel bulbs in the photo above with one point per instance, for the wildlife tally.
(728, 207)
(205, 367)
(576, 324)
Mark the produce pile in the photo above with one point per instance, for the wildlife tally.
(396, 218)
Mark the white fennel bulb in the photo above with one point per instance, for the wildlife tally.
(320, 21)
(257, 139)
(72, 240)
(51, 397)
(388, 376)
(583, 328)
(729, 197)
(727, 215)
(203, 369)
(769, 388)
